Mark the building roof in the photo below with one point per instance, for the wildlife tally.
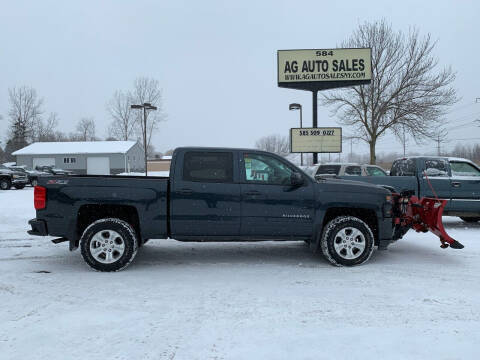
(76, 147)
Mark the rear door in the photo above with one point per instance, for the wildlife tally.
(205, 200)
(465, 186)
(434, 177)
(271, 207)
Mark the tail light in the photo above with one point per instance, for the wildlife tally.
(39, 197)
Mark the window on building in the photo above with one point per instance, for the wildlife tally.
(69, 160)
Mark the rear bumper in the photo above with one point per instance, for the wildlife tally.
(39, 227)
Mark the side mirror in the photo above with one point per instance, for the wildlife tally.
(297, 179)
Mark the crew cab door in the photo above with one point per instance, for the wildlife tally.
(465, 182)
(271, 206)
(437, 176)
(205, 200)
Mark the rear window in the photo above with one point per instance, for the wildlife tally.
(328, 169)
(208, 166)
(403, 167)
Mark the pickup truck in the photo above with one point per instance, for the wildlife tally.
(216, 194)
(9, 178)
(456, 180)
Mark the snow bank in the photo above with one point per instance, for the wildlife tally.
(270, 300)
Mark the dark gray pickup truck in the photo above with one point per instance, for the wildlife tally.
(216, 194)
(456, 180)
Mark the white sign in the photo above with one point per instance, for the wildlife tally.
(324, 65)
(316, 140)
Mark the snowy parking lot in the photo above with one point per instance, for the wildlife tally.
(271, 300)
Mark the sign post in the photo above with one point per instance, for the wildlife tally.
(320, 69)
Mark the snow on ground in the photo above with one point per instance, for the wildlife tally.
(236, 301)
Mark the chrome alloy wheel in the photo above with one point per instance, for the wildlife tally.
(107, 246)
(349, 243)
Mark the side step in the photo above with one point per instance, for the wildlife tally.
(59, 240)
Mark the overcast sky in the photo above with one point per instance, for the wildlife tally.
(215, 60)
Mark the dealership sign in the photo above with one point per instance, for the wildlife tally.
(316, 140)
(318, 69)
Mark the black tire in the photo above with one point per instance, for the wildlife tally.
(5, 184)
(34, 182)
(19, 187)
(350, 252)
(124, 231)
(470, 219)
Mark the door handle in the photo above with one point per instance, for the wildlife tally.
(456, 184)
(186, 191)
(253, 193)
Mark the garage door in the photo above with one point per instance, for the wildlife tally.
(43, 162)
(98, 166)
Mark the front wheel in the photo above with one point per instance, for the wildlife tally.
(109, 244)
(5, 184)
(470, 219)
(347, 241)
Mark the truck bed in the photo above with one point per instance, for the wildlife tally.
(145, 199)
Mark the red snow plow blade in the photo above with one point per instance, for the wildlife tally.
(422, 215)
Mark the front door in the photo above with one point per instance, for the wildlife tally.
(465, 186)
(271, 206)
(205, 201)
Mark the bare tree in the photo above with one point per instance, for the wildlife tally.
(124, 121)
(147, 90)
(276, 144)
(46, 130)
(85, 129)
(25, 110)
(407, 91)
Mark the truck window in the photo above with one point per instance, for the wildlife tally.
(208, 166)
(328, 169)
(353, 171)
(403, 167)
(375, 171)
(265, 169)
(463, 169)
(436, 167)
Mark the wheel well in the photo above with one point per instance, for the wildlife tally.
(366, 215)
(87, 214)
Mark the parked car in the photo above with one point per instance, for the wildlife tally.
(454, 179)
(217, 194)
(32, 175)
(9, 178)
(349, 169)
(54, 171)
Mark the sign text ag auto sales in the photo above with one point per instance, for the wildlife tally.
(319, 65)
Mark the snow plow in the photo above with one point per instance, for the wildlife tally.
(422, 215)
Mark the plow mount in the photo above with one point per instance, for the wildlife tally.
(421, 215)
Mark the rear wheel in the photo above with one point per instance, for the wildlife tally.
(5, 184)
(109, 244)
(347, 241)
(34, 182)
(470, 219)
